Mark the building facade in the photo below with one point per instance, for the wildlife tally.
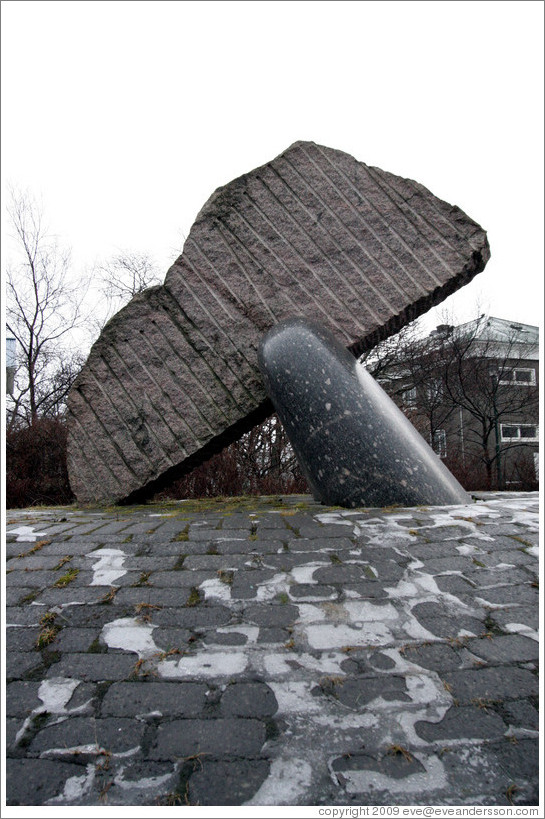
(472, 391)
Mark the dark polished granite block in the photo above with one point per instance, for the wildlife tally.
(354, 444)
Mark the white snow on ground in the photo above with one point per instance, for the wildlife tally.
(366, 781)
(75, 787)
(207, 663)
(25, 533)
(130, 634)
(55, 694)
(287, 781)
(521, 628)
(215, 589)
(109, 566)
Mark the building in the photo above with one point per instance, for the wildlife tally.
(472, 391)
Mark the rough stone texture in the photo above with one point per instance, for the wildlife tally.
(315, 233)
(354, 445)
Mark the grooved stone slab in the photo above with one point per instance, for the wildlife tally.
(173, 377)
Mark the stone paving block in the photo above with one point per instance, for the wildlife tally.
(431, 616)
(213, 737)
(356, 693)
(496, 683)
(520, 762)
(525, 615)
(171, 699)
(21, 639)
(508, 648)
(252, 699)
(278, 636)
(211, 563)
(436, 656)
(510, 558)
(23, 663)
(521, 594)
(319, 543)
(270, 614)
(113, 734)
(320, 531)
(521, 713)
(92, 616)
(240, 522)
(22, 698)
(394, 766)
(312, 591)
(208, 535)
(167, 638)
(231, 638)
(454, 584)
(422, 550)
(27, 616)
(339, 574)
(451, 564)
(194, 617)
(227, 782)
(153, 563)
(468, 722)
(492, 578)
(175, 595)
(21, 594)
(246, 584)
(34, 781)
(367, 590)
(94, 667)
(180, 579)
(78, 640)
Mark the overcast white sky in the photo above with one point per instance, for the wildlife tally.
(125, 116)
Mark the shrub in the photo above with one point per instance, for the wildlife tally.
(36, 470)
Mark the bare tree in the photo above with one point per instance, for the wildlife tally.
(118, 279)
(43, 307)
(461, 382)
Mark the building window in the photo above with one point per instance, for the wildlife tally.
(520, 376)
(440, 443)
(434, 390)
(519, 432)
(409, 398)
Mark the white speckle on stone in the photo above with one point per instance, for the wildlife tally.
(109, 566)
(287, 781)
(130, 634)
(328, 406)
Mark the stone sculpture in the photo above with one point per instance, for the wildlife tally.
(174, 376)
(353, 443)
